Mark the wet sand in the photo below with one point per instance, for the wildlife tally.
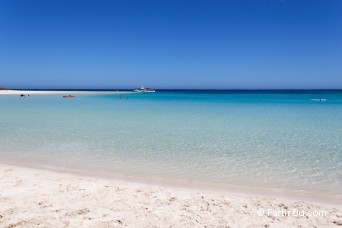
(33, 197)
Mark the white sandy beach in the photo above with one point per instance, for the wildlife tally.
(41, 198)
(50, 92)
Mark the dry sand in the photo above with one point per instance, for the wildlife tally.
(41, 198)
(42, 92)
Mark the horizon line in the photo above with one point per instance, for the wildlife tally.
(194, 89)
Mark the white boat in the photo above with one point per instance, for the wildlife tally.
(319, 100)
(144, 90)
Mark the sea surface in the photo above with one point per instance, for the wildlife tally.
(282, 141)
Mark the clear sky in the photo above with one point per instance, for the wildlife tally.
(232, 44)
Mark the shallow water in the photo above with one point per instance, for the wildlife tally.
(273, 140)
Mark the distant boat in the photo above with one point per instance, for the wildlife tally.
(319, 100)
(68, 96)
(144, 90)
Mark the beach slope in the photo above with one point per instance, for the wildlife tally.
(32, 197)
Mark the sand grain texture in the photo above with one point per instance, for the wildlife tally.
(39, 198)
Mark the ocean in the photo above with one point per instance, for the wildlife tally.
(280, 141)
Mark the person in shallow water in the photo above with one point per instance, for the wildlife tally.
(24, 96)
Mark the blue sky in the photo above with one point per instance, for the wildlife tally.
(232, 44)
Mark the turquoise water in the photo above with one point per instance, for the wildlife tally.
(276, 141)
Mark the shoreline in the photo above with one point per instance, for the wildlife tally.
(59, 92)
(34, 196)
(244, 190)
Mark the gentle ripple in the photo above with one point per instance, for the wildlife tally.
(268, 140)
